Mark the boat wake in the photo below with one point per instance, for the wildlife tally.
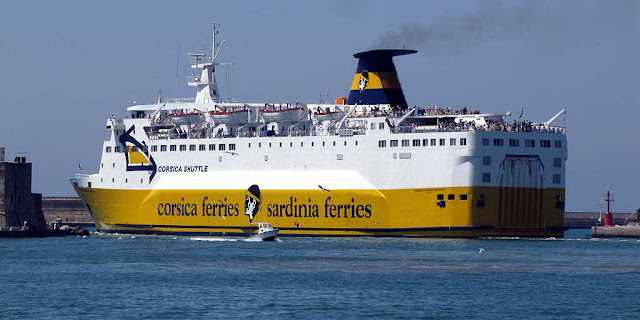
(213, 239)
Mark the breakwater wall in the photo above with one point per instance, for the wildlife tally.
(70, 209)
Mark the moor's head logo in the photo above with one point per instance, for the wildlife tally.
(252, 202)
(364, 80)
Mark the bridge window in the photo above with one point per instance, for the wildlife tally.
(485, 141)
(232, 146)
(373, 126)
(498, 142)
(172, 147)
(442, 142)
(221, 147)
(452, 142)
(163, 148)
(212, 147)
(416, 142)
(433, 142)
(463, 141)
(529, 143)
(183, 147)
(425, 142)
(486, 177)
(202, 147)
(107, 150)
(514, 143)
(192, 147)
(558, 143)
(381, 125)
(117, 149)
(154, 148)
(393, 143)
(556, 179)
(405, 143)
(382, 143)
(545, 144)
(486, 160)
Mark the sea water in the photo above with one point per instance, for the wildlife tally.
(158, 277)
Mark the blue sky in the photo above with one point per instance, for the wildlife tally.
(66, 66)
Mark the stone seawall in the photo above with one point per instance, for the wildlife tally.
(72, 211)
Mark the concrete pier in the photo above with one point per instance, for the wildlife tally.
(631, 230)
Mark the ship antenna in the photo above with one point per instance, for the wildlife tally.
(213, 45)
(178, 71)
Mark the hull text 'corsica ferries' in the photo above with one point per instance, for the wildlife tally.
(368, 165)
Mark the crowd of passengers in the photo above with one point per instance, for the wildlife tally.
(449, 125)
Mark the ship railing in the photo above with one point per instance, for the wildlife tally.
(82, 175)
(178, 100)
(419, 129)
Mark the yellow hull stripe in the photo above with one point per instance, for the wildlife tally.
(404, 212)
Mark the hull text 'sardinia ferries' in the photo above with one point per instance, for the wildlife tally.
(366, 166)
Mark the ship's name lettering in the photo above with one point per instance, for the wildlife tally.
(183, 169)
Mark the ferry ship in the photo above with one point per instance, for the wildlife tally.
(367, 165)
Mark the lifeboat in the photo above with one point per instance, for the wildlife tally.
(185, 118)
(328, 116)
(286, 113)
(230, 117)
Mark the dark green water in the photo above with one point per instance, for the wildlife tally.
(184, 277)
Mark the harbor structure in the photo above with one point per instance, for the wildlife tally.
(611, 230)
(367, 165)
(20, 209)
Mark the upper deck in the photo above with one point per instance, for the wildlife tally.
(182, 120)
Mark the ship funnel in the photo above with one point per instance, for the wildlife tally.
(376, 80)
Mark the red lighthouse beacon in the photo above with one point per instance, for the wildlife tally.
(608, 217)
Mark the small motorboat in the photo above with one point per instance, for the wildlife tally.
(266, 232)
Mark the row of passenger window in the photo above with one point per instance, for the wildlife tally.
(173, 147)
(556, 178)
(557, 162)
(423, 142)
(527, 143)
(313, 144)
